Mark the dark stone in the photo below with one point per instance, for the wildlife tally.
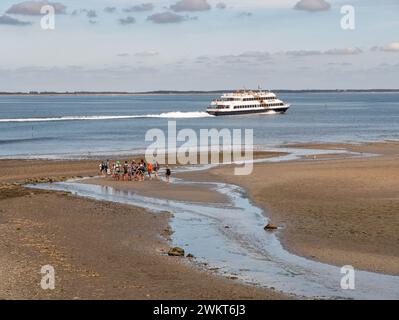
(271, 226)
(176, 252)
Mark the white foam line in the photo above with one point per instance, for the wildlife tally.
(172, 115)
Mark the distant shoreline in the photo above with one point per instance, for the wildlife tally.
(176, 92)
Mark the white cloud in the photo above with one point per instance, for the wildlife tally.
(343, 52)
(110, 9)
(313, 5)
(91, 14)
(303, 53)
(126, 21)
(32, 8)
(392, 47)
(262, 3)
(191, 5)
(330, 52)
(140, 7)
(148, 53)
(166, 17)
(7, 20)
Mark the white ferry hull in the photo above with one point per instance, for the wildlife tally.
(249, 111)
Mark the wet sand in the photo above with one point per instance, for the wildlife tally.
(20, 170)
(160, 189)
(99, 250)
(342, 211)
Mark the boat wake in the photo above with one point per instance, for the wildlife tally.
(165, 115)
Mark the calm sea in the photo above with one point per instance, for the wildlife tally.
(81, 126)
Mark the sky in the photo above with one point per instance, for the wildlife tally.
(130, 45)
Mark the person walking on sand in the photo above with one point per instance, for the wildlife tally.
(107, 168)
(149, 170)
(118, 169)
(101, 167)
(168, 174)
(141, 171)
(125, 171)
(156, 167)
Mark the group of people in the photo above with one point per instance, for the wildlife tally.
(137, 171)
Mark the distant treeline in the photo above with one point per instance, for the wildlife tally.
(189, 92)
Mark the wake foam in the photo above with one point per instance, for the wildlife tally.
(183, 115)
(166, 115)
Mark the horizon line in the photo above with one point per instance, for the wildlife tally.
(88, 92)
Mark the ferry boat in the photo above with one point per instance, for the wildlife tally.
(247, 102)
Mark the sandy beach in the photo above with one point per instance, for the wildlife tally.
(99, 250)
(339, 211)
(342, 211)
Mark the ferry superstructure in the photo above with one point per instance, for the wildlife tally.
(247, 102)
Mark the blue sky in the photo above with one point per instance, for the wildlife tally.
(247, 43)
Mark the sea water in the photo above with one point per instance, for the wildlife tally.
(63, 126)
